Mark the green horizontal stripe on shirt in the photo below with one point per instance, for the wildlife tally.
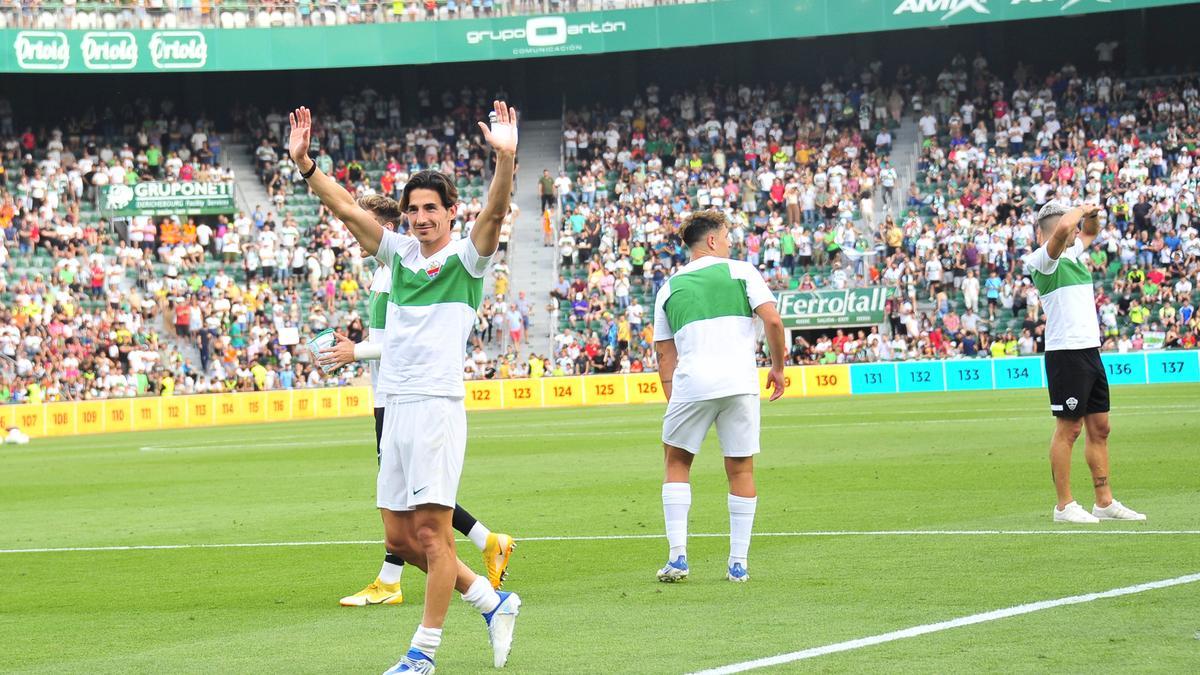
(707, 293)
(1068, 273)
(452, 284)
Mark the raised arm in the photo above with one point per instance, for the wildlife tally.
(502, 136)
(1062, 231)
(1091, 225)
(336, 198)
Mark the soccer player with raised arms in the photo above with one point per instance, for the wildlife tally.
(705, 339)
(437, 286)
(496, 547)
(1075, 375)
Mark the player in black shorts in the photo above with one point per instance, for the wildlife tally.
(1074, 373)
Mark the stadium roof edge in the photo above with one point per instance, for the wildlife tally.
(506, 38)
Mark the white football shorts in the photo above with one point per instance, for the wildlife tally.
(421, 453)
(686, 423)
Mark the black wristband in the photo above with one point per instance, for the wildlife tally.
(308, 174)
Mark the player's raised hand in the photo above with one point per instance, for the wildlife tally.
(1090, 211)
(339, 354)
(301, 136)
(777, 382)
(502, 135)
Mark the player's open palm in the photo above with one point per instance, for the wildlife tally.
(301, 121)
(502, 135)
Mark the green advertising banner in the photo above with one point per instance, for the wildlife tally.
(849, 307)
(515, 37)
(185, 198)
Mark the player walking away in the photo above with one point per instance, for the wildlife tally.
(705, 340)
(1074, 373)
(496, 548)
(437, 285)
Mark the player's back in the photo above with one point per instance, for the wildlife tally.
(707, 307)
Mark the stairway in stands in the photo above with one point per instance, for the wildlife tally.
(906, 149)
(531, 263)
(250, 190)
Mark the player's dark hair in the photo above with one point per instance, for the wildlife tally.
(431, 180)
(697, 226)
(383, 207)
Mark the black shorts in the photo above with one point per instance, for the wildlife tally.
(1077, 382)
(378, 435)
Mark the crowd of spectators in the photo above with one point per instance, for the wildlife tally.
(796, 170)
(364, 143)
(142, 305)
(170, 14)
(799, 175)
(994, 150)
(97, 307)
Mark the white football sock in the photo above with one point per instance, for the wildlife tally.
(741, 521)
(427, 640)
(482, 596)
(677, 499)
(389, 573)
(479, 535)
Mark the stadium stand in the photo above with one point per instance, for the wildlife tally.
(189, 305)
(172, 305)
(965, 222)
(232, 14)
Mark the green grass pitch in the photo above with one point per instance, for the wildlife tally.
(941, 462)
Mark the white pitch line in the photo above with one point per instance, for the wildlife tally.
(172, 547)
(629, 537)
(244, 446)
(925, 629)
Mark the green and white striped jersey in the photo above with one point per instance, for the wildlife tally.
(1065, 288)
(707, 308)
(377, 301)
(431, 308)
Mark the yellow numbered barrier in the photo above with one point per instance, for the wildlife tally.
(645, 388)
(201, 410)
(60, 419)
(147, 413)
(174, 412)
(226, 409)
(89, 417)
(118, 415)
(303, 404)
(484, 395)
(524, 393)
(562, 391)
(827, 380)
(327, 402)
(30, 418)
(356, 401)
(605, 390)
(793, 382)
(252, 407)
(279, 406)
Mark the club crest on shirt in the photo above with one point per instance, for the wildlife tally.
(433, 268)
